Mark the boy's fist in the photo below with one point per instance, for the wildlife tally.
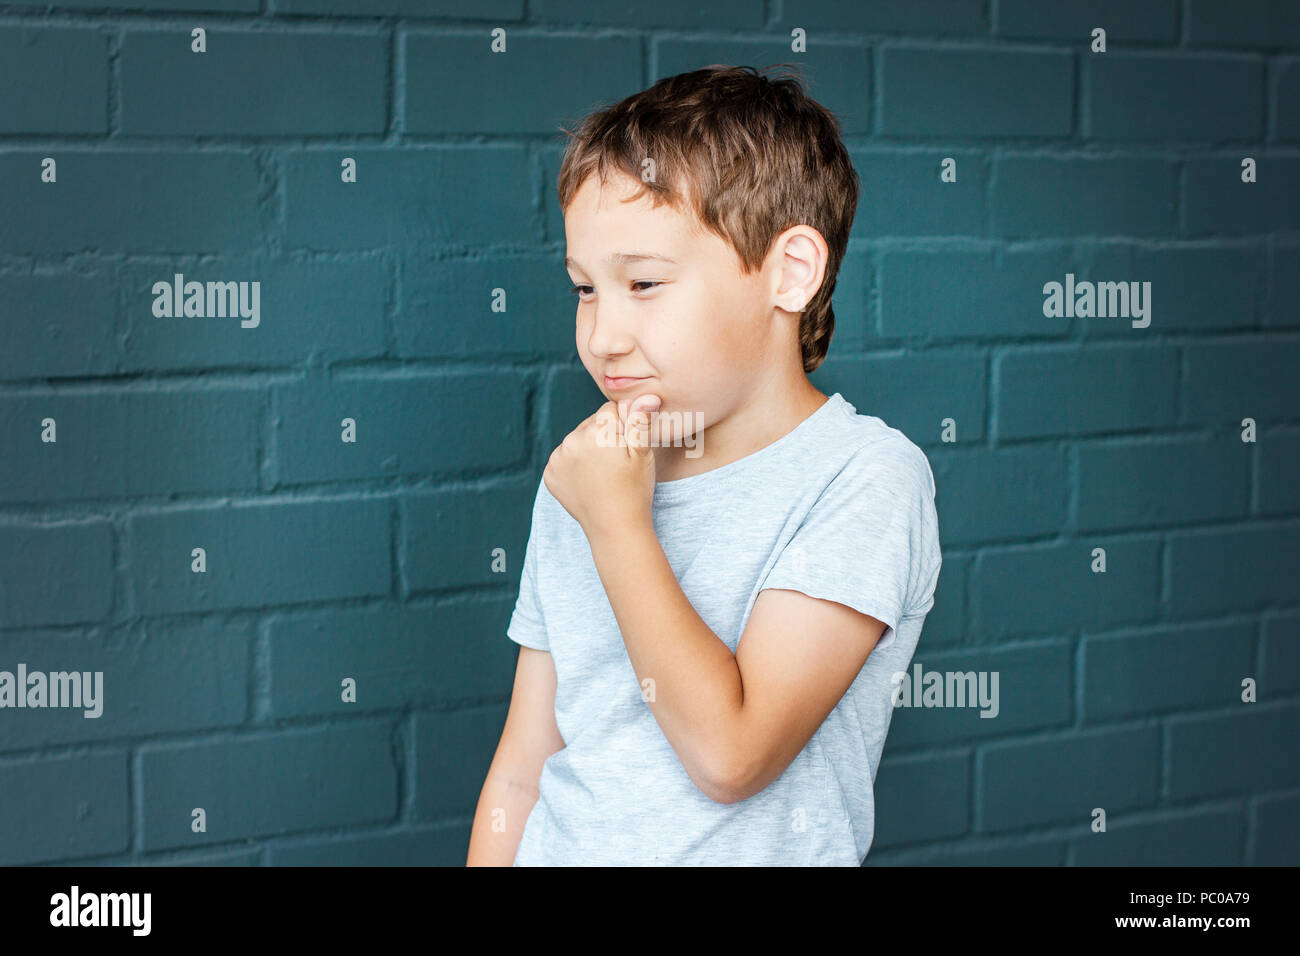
(604, 470)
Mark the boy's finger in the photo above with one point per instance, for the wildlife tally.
(646, 403)
(639, 420)
(638, 431)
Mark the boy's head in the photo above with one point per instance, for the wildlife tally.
(740, 179)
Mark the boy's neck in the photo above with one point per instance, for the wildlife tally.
(753, 426)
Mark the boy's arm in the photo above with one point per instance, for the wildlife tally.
(530, 736)
(735, 721)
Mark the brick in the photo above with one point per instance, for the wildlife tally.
(1150, 482)
(1279, 463)
(130, 201)
(1033, 693)
(453, 194)
(946, 623)
(61, 807)
(407, 9)
(320, 84)
(1277, 830)
(55, 80)
(444, 845)
(849, 303)
(923, 17)
(55, 574)
(1158, 98)
(455, 83)
(1065, 391)
(837, 74)
(730, 14)
(449, 535)
(985, 495)
(1052, 588)
(465, 422)
(113, 443)
(1141, 673)
(980, 93)
(1204, 838)
(552, 215)
(1061, 780)
(1220, 754)
(1152, 21)
(149, 683)
(921, 798)
(269, 784)
(202, 6)
(1287, 101)
(398, 657)
(1038, 196)
(1225, 382)
(1220, 571)
(901, 194)
(912, 392)
(58, 324)
(1284, 287)
(1193, 287)
(987, 294)
(1245, 23)
(1030, 853)
(447, 308)
(1217, 202)
(233, 858)
(452, 754)
(259, 554)
(328, 310)
(1281, 655)
(570, 397)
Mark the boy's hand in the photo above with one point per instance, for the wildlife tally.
(604, 470)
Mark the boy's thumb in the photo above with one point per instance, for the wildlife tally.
(638, 420)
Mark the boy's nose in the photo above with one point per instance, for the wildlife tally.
(609, 336)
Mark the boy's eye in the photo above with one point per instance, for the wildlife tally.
(579, 289)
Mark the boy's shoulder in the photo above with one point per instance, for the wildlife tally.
(870, 447)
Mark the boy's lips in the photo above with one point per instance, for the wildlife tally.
(622, 382)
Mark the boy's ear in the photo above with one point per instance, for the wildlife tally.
(803, 265)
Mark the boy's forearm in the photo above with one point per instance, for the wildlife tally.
(490, 847)
(696, 693)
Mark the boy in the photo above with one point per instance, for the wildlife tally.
(709, 627)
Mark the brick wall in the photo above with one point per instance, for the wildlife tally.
(373, 560)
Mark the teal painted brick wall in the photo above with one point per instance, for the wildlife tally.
(374, 560)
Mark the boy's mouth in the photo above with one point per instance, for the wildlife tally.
(622, 382)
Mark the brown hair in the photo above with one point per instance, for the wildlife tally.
(756, 155)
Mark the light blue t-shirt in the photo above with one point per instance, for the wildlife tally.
(840, 508)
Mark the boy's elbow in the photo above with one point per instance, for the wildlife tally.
(720, 790)
(731, 780)
(730, 794)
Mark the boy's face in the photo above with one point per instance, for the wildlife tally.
(686, 324)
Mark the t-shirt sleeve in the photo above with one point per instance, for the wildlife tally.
(527, 626)
(871, 539)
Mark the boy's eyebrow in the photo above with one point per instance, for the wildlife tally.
(624, 258)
